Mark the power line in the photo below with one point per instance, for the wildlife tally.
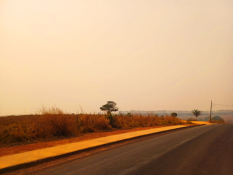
(222, 105)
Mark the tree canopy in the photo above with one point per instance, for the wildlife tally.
(196, 112)
(109, 107)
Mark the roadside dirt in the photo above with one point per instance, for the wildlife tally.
(24, 147)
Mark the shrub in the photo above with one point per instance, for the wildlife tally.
(174, 114)
(12, 133)
(50, 125)
(91, 123)
(217, 119)
(54, 122)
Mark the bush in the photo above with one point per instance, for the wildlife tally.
(12, 133)
(217, 119)
(174, 114)
(91, 123)
(50, 125)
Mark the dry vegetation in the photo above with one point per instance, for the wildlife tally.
(53, 122)
(218, 121)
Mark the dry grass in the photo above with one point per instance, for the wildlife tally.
(126, 122)
(217, 121)
(91, 122)
(53, 122)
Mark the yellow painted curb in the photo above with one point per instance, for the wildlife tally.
(203, 122)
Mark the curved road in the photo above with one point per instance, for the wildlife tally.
(199, 150)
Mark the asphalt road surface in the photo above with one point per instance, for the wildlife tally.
(199, 150)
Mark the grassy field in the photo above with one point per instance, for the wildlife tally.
(53, 122)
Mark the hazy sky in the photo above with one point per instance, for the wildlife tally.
(142, 54)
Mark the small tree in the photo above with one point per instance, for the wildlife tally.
(196, 113)
(174, 114)
(109, 107)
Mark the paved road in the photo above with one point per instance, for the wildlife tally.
(199, 150)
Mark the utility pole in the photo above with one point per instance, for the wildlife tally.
(210, 109)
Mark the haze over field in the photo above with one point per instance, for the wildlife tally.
(142, 54)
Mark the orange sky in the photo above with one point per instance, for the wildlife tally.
(142, 54)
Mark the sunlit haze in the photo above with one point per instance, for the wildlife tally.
(142, 54)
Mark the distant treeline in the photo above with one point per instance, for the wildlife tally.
(179, 112)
